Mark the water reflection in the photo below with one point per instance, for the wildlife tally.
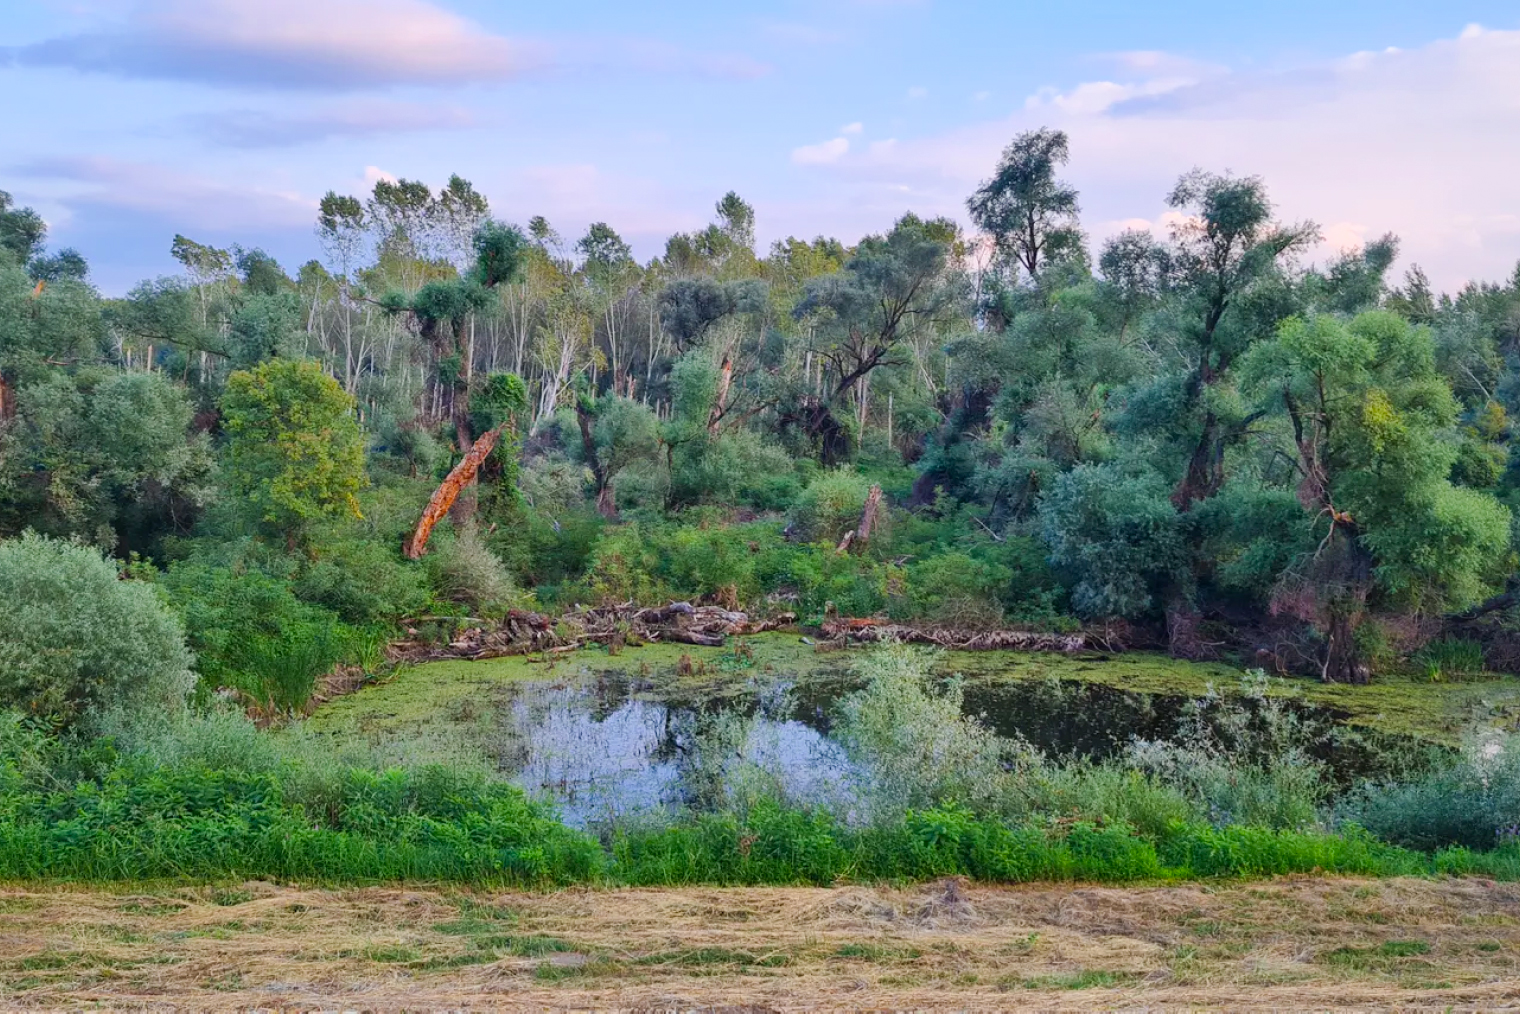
(600, 751)
(610, 746)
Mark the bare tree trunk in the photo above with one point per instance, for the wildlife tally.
(720, 403)
(444, 496)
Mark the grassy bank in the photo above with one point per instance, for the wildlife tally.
(431, 825)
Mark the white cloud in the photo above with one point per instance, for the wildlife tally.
(822, 153)
(852, 128)
(183, 200)
(291, 44)
(1098, 96)
(918, 92)
(338, 45)
(1421, 142)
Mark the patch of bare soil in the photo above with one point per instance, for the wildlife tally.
(1323, 944)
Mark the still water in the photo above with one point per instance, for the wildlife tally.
(608, 745)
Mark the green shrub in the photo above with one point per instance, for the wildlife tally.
(251, 634)
(363, 580)
(829, 506)
(914, 746)
(464, 571)
(1245, 760)
(709, 559)
(856, 585)
(1471, 800)
(1451, 658)
(954, 588)
(77, 643)
(624, 566)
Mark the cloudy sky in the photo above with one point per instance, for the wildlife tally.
(127, 121)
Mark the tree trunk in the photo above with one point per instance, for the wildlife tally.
(1203, 477)
(606, 505)
(720, 403)
(444, 496)
(1182, 635)
(1343, 662)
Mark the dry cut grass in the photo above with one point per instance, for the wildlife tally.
(1300, 943)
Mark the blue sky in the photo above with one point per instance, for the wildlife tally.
(226, 120)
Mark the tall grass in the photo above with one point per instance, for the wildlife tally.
(434, 824)
(929, 793)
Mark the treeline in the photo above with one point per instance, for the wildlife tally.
(1201, 440)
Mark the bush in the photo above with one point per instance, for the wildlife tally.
(1451, 658)
(361, 579)
(856, 585)
(954, 588)
(914, 747)
(1472, 800)
(1244, 761)
(250, 633)
(1118, 535)
(712, 560)
(464, 571)
(829, 506)
(77, 643)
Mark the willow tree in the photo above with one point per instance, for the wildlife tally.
(1371, 427)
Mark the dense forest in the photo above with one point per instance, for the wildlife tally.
(243, 509)
(1202, 442)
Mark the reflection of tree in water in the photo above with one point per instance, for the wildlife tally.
(601, 750)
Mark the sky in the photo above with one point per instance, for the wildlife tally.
(128, 121)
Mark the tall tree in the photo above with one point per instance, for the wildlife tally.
(863, 317)
(294, 449)
(1030, 213)
(1224, 244)
(1372, 439)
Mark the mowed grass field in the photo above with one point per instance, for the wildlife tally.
(1296, 943)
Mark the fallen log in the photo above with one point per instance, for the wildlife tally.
(866, 631)
(524, 633)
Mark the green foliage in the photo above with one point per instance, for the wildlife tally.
(1451, 658)
(251, 634)
(266, 326)
(1383, 432)
(1118, 535)
(103, 456)
(77, 644)
(914, 744)
(360, 577)
(956, 588)
(294, 449)
(829, 506)
(185, 820)
(464, 571)
(1470, 800)
(1031, 214)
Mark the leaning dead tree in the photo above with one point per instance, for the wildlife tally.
(457, 481)
(870, 515)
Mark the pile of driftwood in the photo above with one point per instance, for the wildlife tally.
(870, 631)
(524, 633)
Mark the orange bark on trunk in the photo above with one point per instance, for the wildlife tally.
(444, 496)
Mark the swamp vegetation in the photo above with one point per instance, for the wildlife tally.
(1277, 492)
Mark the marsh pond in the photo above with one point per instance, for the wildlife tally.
(665, 727)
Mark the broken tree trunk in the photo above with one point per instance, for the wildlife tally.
(869, 518)
(444, 496)
(720, 403)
